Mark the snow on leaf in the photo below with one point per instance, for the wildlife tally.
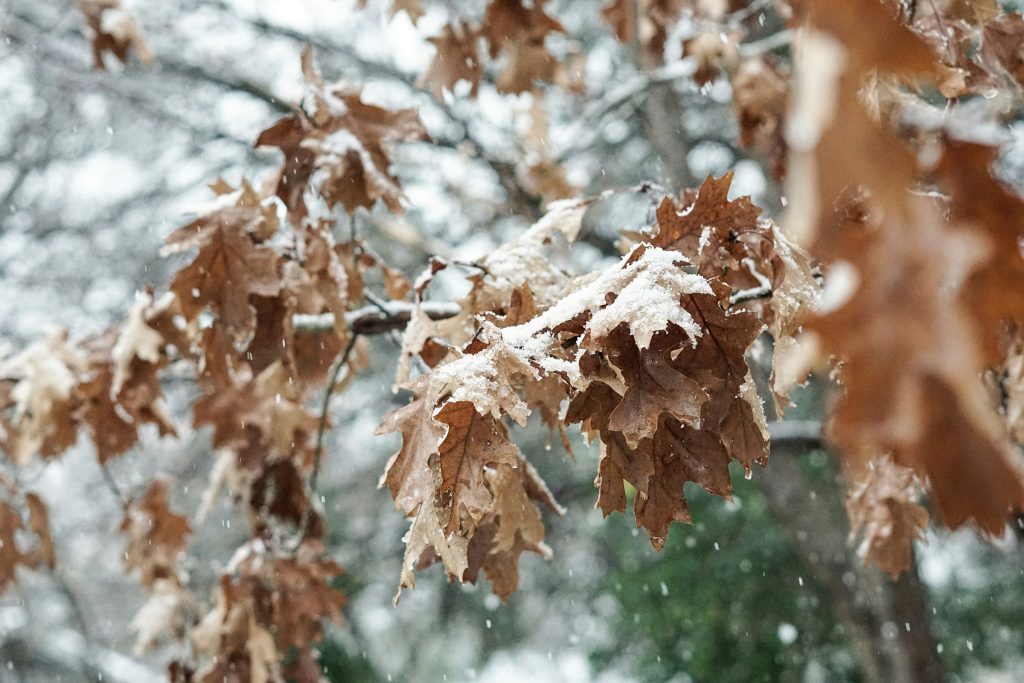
(335, 143)
(135, 340)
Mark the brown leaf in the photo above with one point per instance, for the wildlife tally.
(680, 454)
(882, 505)
(711, 208)
(761, 93)
(653, 387)
(425, 542)
(513, 526)
(473, 442)
(519, 32)
(933, 415)
(456, 60)
(111, 29)
(344, 138)
(981, 202)
(10, 556)
(228, 269)
(38, 403)
(156, 535)
(303, 597)
(39, 524)
(409, 473)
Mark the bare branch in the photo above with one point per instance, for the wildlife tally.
(371, 320)
(796, 433)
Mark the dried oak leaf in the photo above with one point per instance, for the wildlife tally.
(519, 31)
(473, 442)
(235, 634)
(710, 208)
(111, 29)
(981, 202)
(39, 524)
(426, 542)
(303, 597)
(156, 535)
(269, 404)
(882, 505)
(38, 401)
(409, 472)
(456, 60)
(10, 556)
(229, 268)
(653, 387)
(513, 526)
(680, 454)
(335, 143)
(114, 418)
(933, 415)
(760, 91)
(834, 143)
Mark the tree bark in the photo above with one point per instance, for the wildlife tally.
(888, 623)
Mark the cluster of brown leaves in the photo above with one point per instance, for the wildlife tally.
(108, 385)
(645, 355)
(268, 604)
(516, 34)
(648, 355)
(256, 263)
(157, 538)
(947, 277)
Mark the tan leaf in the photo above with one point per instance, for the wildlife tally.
(409, 473)
(342, 138)
(111, 29)
(883, 509)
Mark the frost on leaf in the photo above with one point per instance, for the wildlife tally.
(38, 403)
(647, 358)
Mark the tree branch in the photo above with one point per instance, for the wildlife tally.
(372, 320)
(394, 315)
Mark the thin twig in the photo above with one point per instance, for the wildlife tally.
(376, 318)
(796, 433)
(332, 382)
(114, 488)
